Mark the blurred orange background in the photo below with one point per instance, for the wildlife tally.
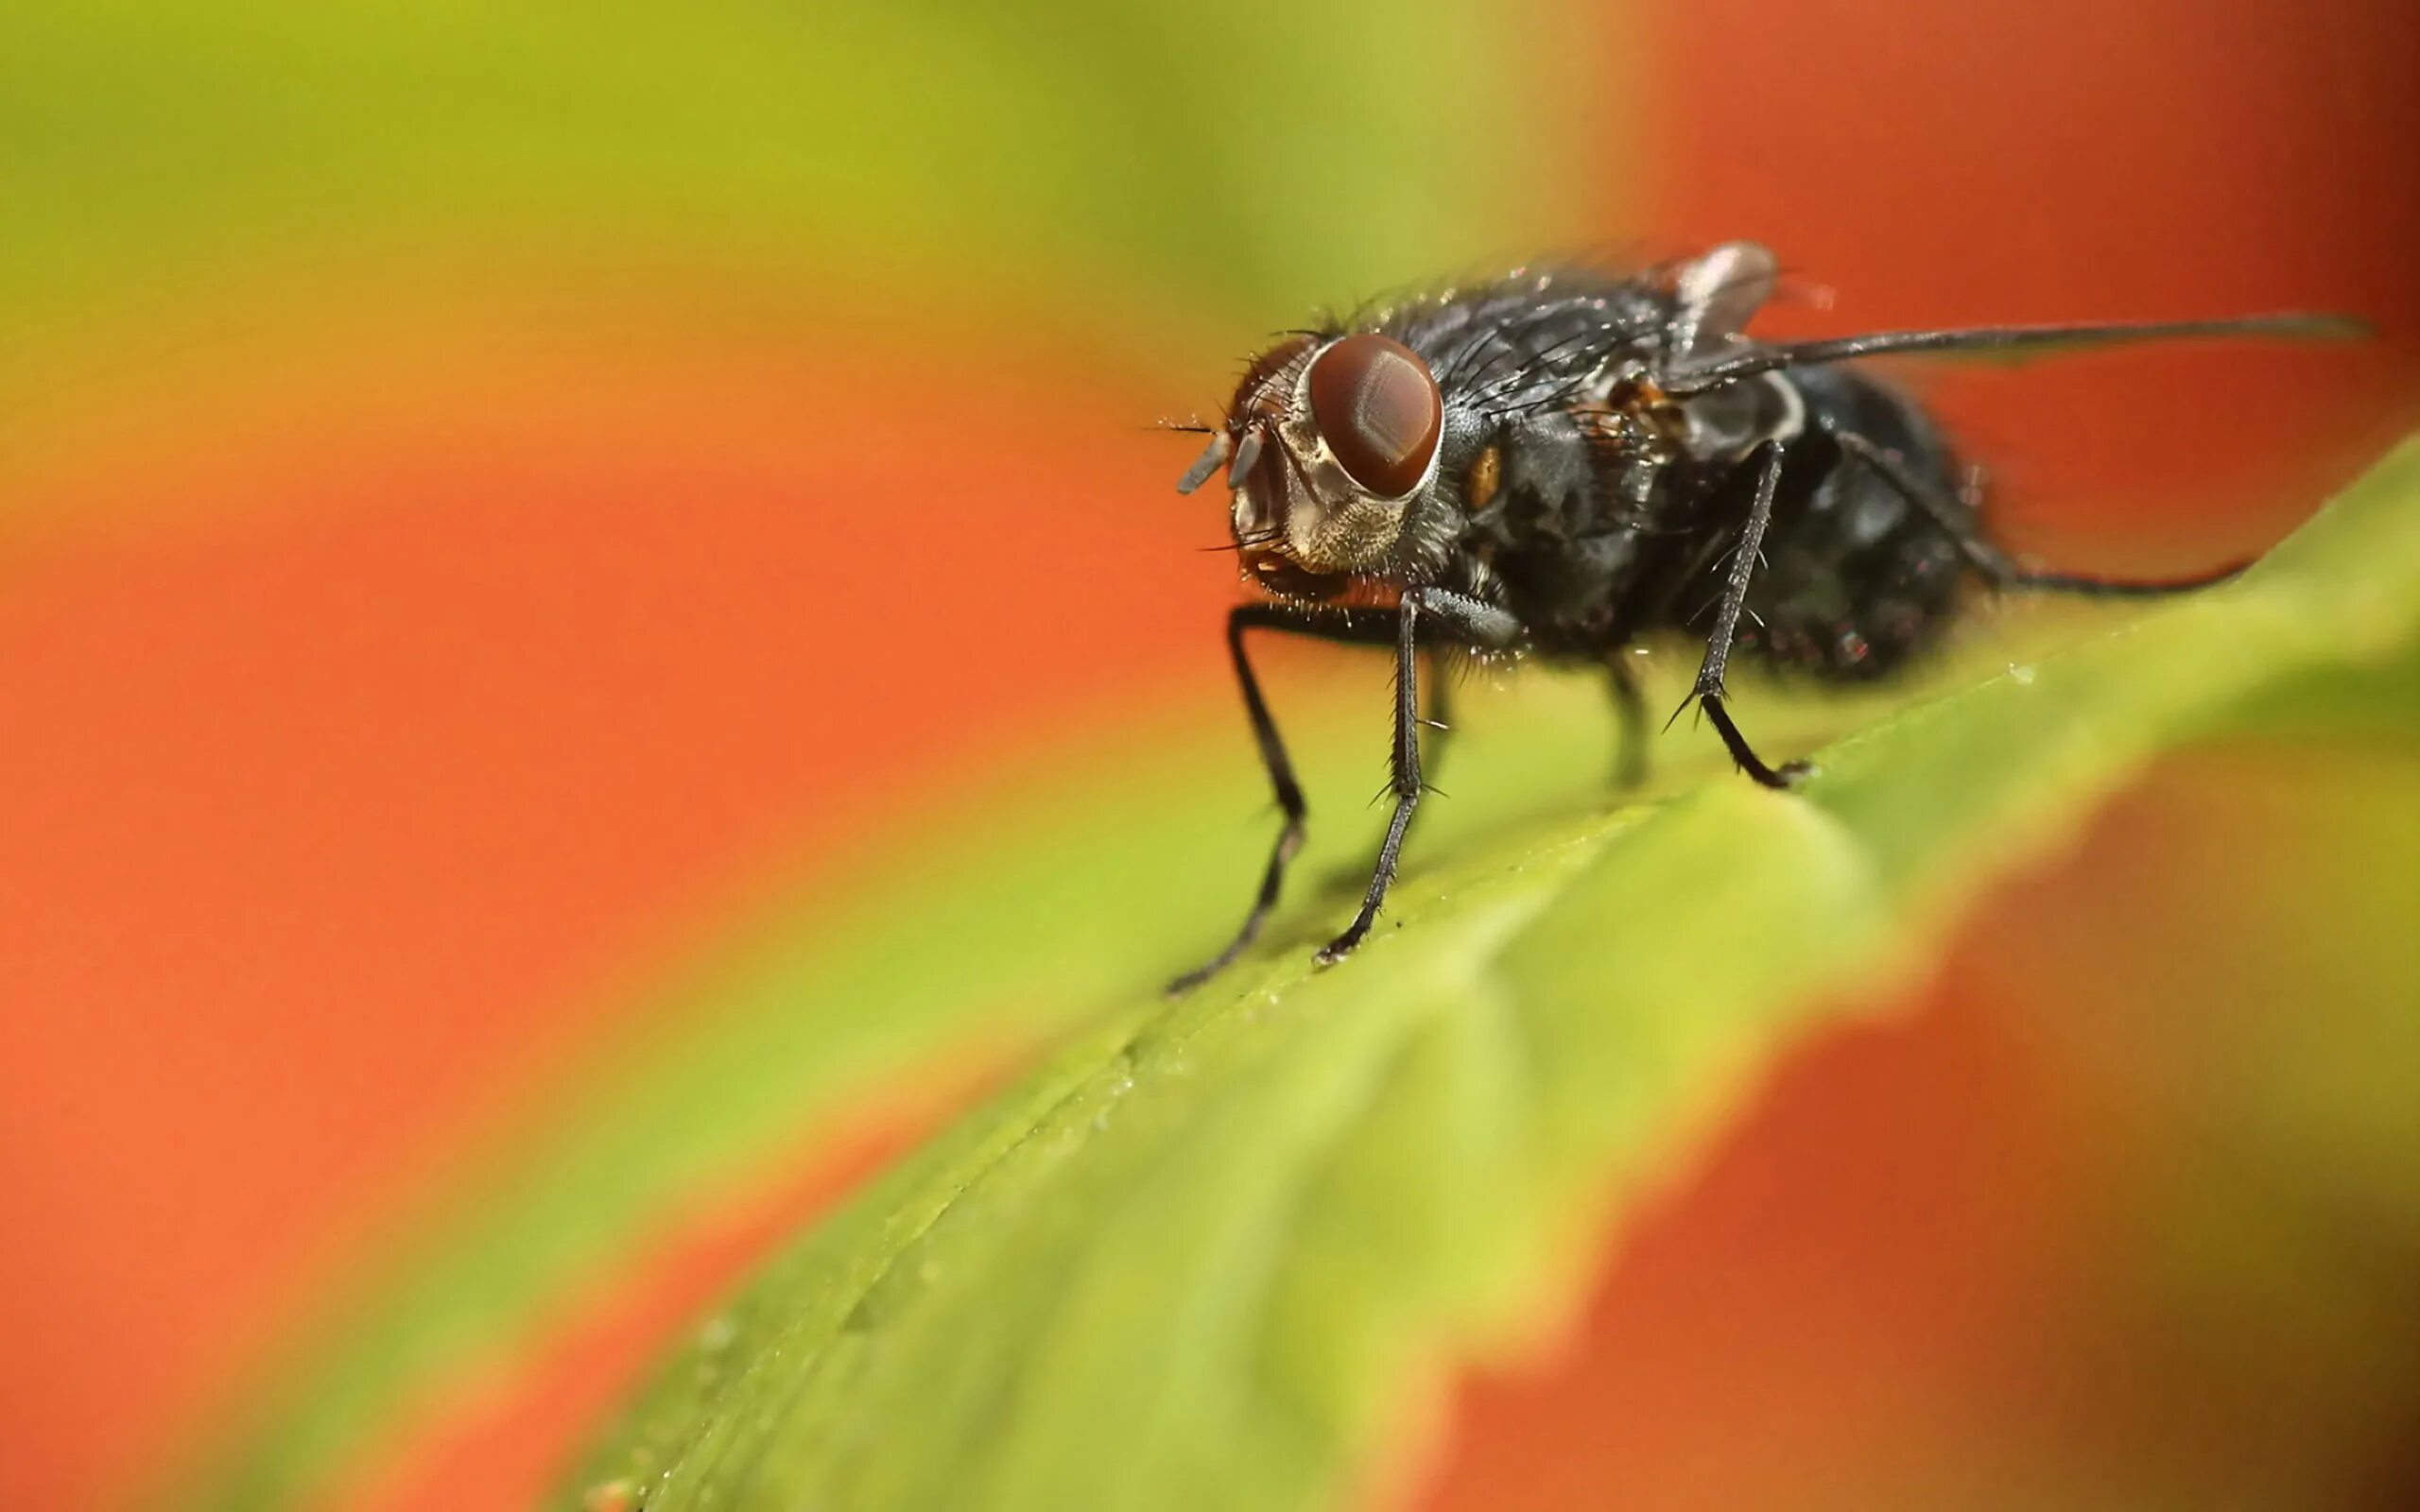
(408, 655)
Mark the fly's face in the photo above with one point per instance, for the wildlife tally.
(1328, 441)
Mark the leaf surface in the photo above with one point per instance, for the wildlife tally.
(1213, 1251)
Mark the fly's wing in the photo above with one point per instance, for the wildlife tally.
(1711, 371)
(1714, 297)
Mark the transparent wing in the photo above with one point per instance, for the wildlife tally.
(1718, 294)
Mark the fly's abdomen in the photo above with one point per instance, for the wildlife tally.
(1859, 579)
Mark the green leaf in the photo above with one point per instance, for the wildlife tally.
(1214, 1251)
(1056, 896)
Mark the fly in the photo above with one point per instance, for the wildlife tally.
(1554, 465)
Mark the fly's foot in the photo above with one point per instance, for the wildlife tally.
(1343, 945)
(1780, 778)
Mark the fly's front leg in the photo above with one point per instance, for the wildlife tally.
(1440, 718)
(1294, 621)
(1458, 618)
(1708, 691)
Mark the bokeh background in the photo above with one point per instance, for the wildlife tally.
(490, 504)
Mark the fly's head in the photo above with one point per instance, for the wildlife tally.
(1329, 440)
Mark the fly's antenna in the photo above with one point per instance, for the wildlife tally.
(2012, 339)
(1212, 458)
(1246, 456)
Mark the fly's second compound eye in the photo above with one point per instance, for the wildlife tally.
(1378, 408)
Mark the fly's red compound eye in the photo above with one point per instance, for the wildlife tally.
(1378, 408)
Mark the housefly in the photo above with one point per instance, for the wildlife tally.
(1555, 464)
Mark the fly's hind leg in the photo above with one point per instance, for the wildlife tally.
(1993, 565)
(1708, 691)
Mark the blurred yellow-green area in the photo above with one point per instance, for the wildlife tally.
(513, 524)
